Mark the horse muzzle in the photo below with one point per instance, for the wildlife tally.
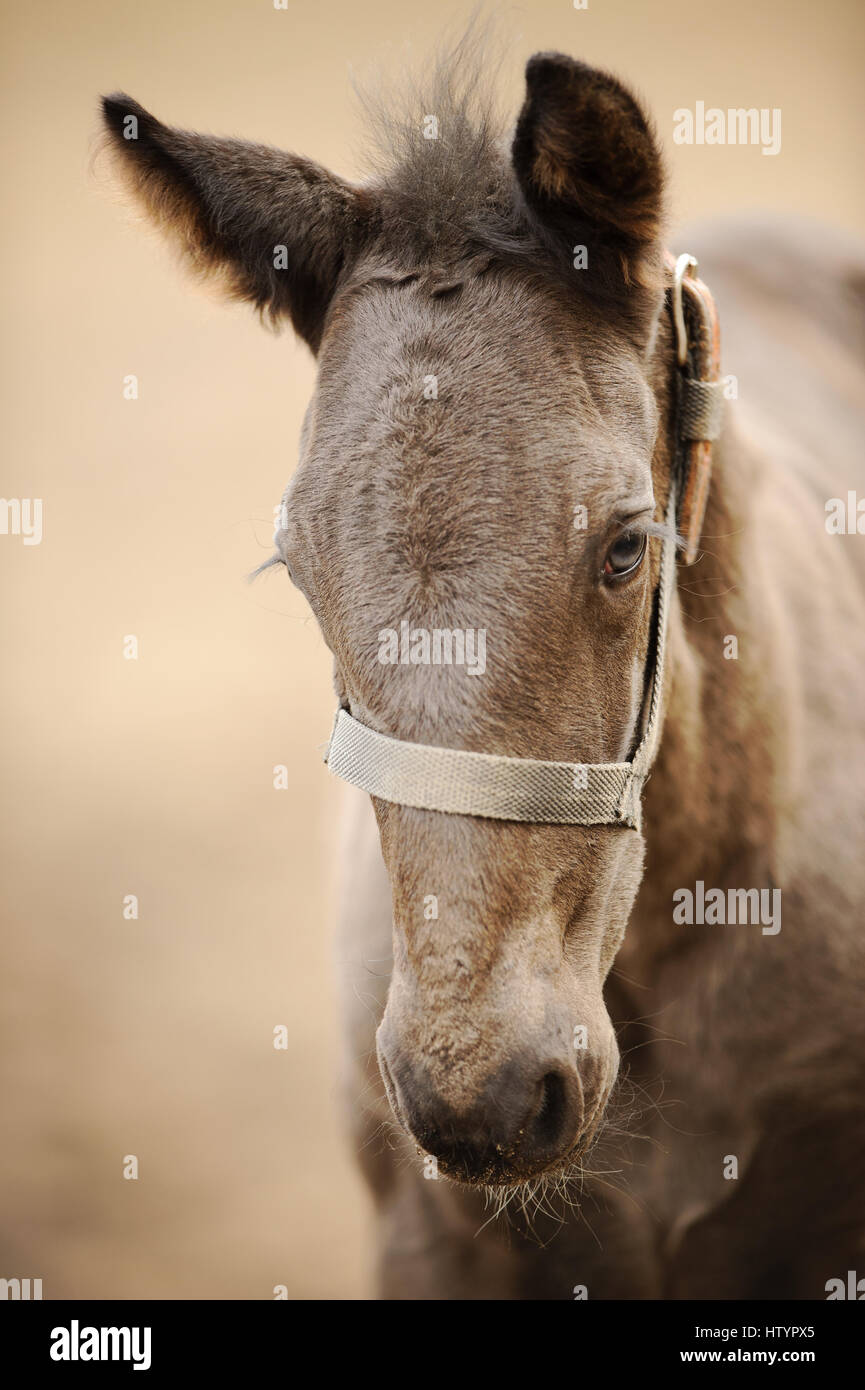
(533, 1112)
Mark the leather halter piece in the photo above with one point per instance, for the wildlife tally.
(531, 790)
(698, 395)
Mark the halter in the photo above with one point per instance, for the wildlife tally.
(528, 789)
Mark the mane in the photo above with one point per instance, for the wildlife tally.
(450, 206)
(453, 194)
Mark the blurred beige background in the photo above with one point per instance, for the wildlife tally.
(155, 777)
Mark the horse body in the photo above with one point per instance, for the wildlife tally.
(737, 1044)
(479, 385)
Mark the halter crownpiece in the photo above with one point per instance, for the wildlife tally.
(457, 782)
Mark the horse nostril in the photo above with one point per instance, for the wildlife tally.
(515, 1124)
(550, 1117)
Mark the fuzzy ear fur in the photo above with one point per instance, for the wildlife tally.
(276, 229)
(590, 171)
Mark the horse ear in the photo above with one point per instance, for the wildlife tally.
(276, 229)
(590, 170)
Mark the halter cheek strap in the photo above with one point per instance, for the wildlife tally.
(560, 793)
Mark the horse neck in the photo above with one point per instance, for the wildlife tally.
(710, 804)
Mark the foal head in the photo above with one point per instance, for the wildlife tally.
(484, 454)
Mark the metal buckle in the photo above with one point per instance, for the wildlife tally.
(685, 265)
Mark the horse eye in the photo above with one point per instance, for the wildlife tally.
(625, 554)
